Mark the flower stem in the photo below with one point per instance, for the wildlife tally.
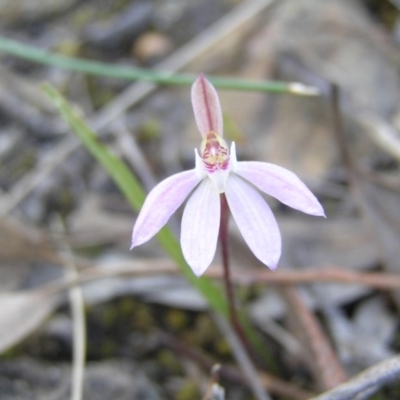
(223, 237)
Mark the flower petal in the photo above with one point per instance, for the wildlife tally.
(200, 227)
(281, 184)
(161, 203)
(255, 221)
(206, 107)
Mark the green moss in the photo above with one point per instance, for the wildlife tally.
(109, 315)
(168, 360)
(143, 318)
(202, 334)
(12, 353)
(222, 348)
(188, 391)
(108, 349)
(391, 392)
(176, 319)
(127, 306)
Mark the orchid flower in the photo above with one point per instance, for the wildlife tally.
(217, 172)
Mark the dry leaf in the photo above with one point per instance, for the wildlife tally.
(21, 313)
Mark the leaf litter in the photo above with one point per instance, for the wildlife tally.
(308, 41)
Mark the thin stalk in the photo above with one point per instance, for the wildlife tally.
(77, 305)
(223, 238)
(41, 56)
(232, 309)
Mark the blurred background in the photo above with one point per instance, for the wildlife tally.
(149, 333)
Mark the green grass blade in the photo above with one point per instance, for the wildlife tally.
(34, 54)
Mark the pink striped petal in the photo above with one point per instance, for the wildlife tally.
(281, 184)
(161, 203)
(206, 107)
(255, 221)
(200, 227)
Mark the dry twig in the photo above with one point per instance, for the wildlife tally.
(377, 280)
(324, 363)
(377, 376)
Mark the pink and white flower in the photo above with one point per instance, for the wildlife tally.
(217, 172)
